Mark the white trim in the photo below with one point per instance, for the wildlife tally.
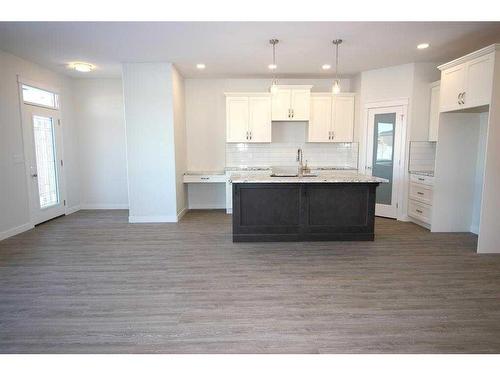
(104, 206)
(181, 213)
(72, 210)
(153, 219)
(13, 231)
(387, 103)
(258, 93)
(207, 206)
(470, 56)
(38, 85)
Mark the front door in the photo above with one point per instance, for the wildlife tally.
(383, 156)
(42, 135)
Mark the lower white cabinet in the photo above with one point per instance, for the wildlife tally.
(420, 196)
(248, 117)
(331, 118)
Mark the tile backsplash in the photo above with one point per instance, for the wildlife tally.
(422, 156)
(283, 154)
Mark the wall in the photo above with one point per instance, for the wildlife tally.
(479, 172)
(206, 115)
(180, 140)
(148, 90)
(14, 210)
(101, 143)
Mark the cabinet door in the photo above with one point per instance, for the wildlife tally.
(479, 80)
(434, 114)
(236, 119)
(281, 105)
(259, 119)
(452, 84)
(320, 122)
(300, 104)
(343, 119)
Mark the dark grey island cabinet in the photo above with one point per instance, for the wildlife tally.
(338, 211)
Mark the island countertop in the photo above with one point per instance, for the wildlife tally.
(323, 177)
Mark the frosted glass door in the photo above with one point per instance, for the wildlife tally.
(384, 155)
(41, 131)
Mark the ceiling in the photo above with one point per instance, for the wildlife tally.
(241, 49)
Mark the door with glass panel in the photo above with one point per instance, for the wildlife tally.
(42, 137)
(383, 156)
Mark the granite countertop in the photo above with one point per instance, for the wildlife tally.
(423, 173)
(325, 177)
(201, 173)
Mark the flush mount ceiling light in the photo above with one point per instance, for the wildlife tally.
(326, 66)
(423, 45)
(200, 66)
(82, 67)
(336, 82)
(273, 67)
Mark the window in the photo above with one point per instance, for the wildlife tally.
(36, 96)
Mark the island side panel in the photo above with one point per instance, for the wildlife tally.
(344, 211)
(266, 212)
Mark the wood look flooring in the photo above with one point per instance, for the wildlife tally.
(92, 283)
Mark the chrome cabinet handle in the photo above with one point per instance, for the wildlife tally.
(333, 135)
(293, 113)
(459, 97)
(34, 175)
(250, 134)
(418, 211)
(205, 178)
(463, 97)
(420, 193)
(247, 136)
(289, 113)
(421, 179)
(329, 135)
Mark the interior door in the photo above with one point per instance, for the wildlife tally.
(321, 119)
(300, 104)
(281, 105)
(259, 119)
(343, 119)
(43, 136)
(237, 119)
(383, 155)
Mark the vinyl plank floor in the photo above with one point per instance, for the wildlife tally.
(91, 282)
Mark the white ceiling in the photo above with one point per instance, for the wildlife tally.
(241, 49)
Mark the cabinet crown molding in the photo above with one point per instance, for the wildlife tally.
(481, 52)
(324, 94)
(247, 93)
(306, 87)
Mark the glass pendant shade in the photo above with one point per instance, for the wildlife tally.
(336, 87)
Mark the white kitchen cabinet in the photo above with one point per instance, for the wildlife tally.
(291, 103)
(434, 111)
(248, 117)
(331, 118)
(343, 118)
(467, 84)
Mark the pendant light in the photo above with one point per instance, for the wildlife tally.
(336, 82)
(273, 67)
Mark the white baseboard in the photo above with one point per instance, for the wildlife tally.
(207, 206)
(72, 210)
(103, 206)
(181, 213)
(13, 231)
(153, 219)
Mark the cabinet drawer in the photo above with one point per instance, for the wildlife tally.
(192, 178)
(419, 179)
(421, 193)
(420, 211)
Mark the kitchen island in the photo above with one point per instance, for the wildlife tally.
(337, 206)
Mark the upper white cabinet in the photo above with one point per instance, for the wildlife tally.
(291, 103)
(434, 111)
(467, 82)
(248, 117)
(331, 118)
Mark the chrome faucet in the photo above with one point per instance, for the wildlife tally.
(301, 169)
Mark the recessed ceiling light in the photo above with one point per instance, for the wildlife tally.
(200, 66)
(326, 66)
(423, 45)
(272, 66)
(82, 67)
